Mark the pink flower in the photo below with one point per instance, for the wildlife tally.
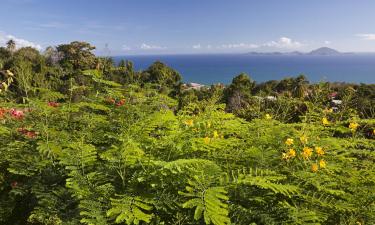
(333, 94)
(17, 114)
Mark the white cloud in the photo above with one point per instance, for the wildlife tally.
(238, 46)
(327, 42)
(126, 48)
(4, 38)
(151, 47)
(283, 42)
(198, 46)
(368, 37)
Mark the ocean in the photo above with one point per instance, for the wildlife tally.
(221, 68)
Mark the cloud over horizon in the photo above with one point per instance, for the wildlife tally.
(20, 43)
(367, 37)
(145, 46)
(283, 42)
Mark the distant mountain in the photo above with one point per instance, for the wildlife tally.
(324, 51)
(319, 51)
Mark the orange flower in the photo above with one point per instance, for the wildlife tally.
(120, 103)
(3, 111)
(314, 167)
(307, 152)
(319, 151)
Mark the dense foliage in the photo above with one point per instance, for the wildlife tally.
(87, 142)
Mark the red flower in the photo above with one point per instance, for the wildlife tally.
(27, 133)
(53, 104)
(121, 102)
(17, 114)
(22, 130)
(30, 134)
(14, 184)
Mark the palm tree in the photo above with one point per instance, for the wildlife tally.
(300, 86)
(11, 45)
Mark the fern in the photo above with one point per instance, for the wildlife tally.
(130, 210)
(207, 201)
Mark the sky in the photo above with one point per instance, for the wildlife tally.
(127, 27)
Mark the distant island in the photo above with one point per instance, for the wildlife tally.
(319, 51)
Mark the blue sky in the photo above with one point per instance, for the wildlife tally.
(191, 26)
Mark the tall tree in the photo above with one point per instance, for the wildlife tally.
(238, 92)
(162, 74)
(77, 55)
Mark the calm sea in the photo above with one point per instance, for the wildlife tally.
(209, 69)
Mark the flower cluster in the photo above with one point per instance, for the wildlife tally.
(118, 103)
(353, 126)
(306, 154)
(215, 135)
(53, 104)
(28, 133)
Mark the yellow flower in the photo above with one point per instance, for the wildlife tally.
(208, 124)
(303, 139)
(353, 126)
(373, 131)
(289, 141)
(9, 73)
(325, 121)
(319, 151)
(206, 140)
(189, 123)
(307, 152)
(268, 116)
(322, 163)
(328, 110)
(292, 153)
(216, 135)
(285, 156)
(314, 167)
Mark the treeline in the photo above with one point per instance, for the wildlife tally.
(62, 67)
